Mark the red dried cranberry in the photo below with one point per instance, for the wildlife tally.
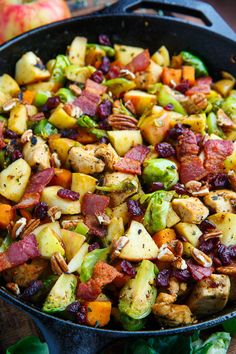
(103, 124)
(93, 246)
(176, 131)
(67, 194)
(206, 225)
(17, 154)
(74, 307)
(181, 275)
(97, 76)
(198, 272)
(69, 133)
(208, 246)
(179, 188)
(52, 102)
(134, 207)
(104, 109)
(232, 251)
(105, 66)
(114, 72)
(8, 133)
(183, 86)
(169, 107)
(127, 268)
(224, 254)
(157, 186)
(220, 180)
(81, 315)
(33, 288)
(217, 262)
(104, 140)
(163, 278)
(164, 150)
(103, 39)
(40, 211)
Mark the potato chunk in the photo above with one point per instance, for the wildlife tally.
(189, 231)
(225, 222)
(18, 119)
(190, 210)
(209, 295)
(221, 200)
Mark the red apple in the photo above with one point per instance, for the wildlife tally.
(18, 16)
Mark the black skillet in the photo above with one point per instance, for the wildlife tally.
(214, 41)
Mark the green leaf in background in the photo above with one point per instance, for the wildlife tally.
(28, 345)
(217, 343)
(230, 326)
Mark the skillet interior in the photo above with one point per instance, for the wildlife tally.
(150, 32)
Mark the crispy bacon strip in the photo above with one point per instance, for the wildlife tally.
(191, 168)
(216, 152)
(202, 85)
(127, 165)
(95, 228)
(187, 144)
(94, 87)
(138, 153)
(140, 62)
(93, 204)
(87, 102)
(198, 272)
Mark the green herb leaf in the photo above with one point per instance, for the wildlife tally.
(28, 345)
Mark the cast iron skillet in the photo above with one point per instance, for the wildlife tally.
(214, 42)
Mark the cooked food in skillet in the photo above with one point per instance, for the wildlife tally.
(118, 186)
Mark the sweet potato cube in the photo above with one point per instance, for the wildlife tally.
(164, 236)
(98, 313)
(7, 215)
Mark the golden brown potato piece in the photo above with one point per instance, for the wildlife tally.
(172, 314)
(221, 201)
(190, 210)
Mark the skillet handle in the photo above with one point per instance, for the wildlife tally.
(195, 8)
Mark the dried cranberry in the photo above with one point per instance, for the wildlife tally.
(198, 272)
(104, 140)
(40, 211)
(179, 188)
(97, 76)
(169, 107)
(220, 180)
(134, 207)
(206, 225)
(164, 150)
(69, 133)
(217, 262)
(183, 86)
(233, 251)
(105, 66)
(81, 315)
(127, 268)
(209, 245)
(157, 186)
(103, 39)
(52, 102)
(32, 289)
(17, 154)
(10, 134)
(104, 109)
(176, 131)
(104, 124)
(181, 275)
(114, 72)
(68, 194)
(224, 254)
(93, 246)
(74, 307)
(163, 277)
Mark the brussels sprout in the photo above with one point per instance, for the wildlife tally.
(89, 262)
(165, 97)
(62, 294)
(110, 52)
(7, 241)
(86, 122)
(58, 71)
(65, 95)
(138, 295)
(160, 170)
(229, 107)
(119, 85)
(81, 228)
(123, 186)
(212, 126)
(44, 290)
(131, 324)
(155, 217)
(41, 98)
(197, 63)
(44, 128)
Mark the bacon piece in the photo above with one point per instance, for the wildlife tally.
(187, 144)
(103, 274)
(34, 188)
(191, 168)
(216, 151)
(95, 228)
(2, 144)
(202, 85)
(93, 204)
(140, 62)
(207, 80)
(127, 165)
(94, 87)
(19, 253)
(87, 102)
(198, 272)
(138, 153)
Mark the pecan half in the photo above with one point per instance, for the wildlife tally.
(224, 121)
(58, 264)
(118, 245)
(201, 258)
(228, 270)
(18, 228)
(56, 162)
(75, 89)
(26, 136)
(7, 106)
(54, 213)
(176, 247)
(30, 227)
(196, 188)
(212, 234)
(127, 74)
(180, 263)
(72, 110)
(70, 224)
(165, 254)
(37, 117)
(120, 121)
(13, 288)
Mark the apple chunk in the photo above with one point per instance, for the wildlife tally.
(50, 197)
(124, 53)
(72, 242)
(77, 51)
(124, 140)
(140, 246)
(49, 243)
(141, 100)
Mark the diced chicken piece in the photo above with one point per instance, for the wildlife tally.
(175, 288)
(166, 298)
(173, 315)
(37, 153)
(209, 295)
(82, 159)
(221, 201)
(190, 210)
(107, 154)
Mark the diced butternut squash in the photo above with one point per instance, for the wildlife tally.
(171, 76)
(61, 178)
(61, 119)
(28, 96)
(98, 313)
(82, 183)
(7, 215)
(49, 243)
(190, 232)
(18, 119)
(189, 74)
(61, 146)
(164, 236)
(72, 242)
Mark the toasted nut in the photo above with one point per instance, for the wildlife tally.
(127, 74)
(224, 121)
(70, 224)
(58, 264)
(26, 136)
(103, 219)
(165, 254)
(228, 270)
(37, 117)
(30, 227)
(201, 258)
(13, 288)
(72, 110)
(118, 245)
(18, 228)
(179, 263)
(196, 188)
(212, 234)
(75, 89)
(122, 122)
(55, 160)
(54, 213)
(176, 247)
(7, 106)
